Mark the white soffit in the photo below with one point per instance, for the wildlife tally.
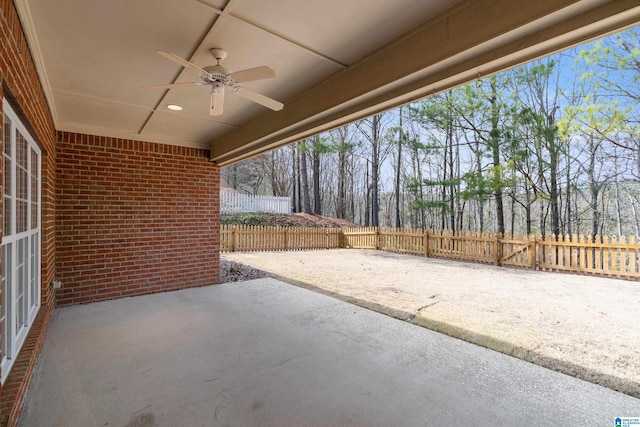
(93, 56)
(335, 60)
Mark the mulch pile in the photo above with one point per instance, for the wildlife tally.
(231, 271)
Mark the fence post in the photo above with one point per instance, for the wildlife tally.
(426, 243)
(377, 238)
(497, 247)
(233, 239)
(533, 250)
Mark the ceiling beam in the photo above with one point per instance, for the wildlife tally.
(474, 39)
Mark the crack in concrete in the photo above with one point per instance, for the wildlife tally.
(413, 316)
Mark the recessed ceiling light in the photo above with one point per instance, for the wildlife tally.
(174, 107)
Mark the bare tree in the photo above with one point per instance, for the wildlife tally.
(371, 129)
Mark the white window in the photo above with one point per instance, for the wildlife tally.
(21, 164)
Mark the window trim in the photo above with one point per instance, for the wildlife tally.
(30, 237)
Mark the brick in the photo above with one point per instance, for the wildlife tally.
(134, 222)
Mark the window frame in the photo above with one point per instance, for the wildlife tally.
(27, 264)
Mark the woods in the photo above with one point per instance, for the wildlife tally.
(551, 147)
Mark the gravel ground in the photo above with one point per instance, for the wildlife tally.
(580, 325)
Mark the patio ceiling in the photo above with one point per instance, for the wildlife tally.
(335, 60)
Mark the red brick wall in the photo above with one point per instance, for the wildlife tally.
(145, 220)
(133, 218)
(20, 85)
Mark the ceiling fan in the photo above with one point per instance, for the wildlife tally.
(218, 77)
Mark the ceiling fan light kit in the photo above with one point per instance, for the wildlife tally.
(219, 77)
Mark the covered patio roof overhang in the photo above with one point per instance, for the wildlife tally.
(336, 61)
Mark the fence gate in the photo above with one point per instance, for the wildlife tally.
(518, 251)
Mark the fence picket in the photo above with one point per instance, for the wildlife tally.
(614, 257)
(625, 260)
(633, 256)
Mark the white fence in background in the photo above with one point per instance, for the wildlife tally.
(233, 203)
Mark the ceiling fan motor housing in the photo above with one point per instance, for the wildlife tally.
(217, 73)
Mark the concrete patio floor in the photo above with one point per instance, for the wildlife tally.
(266, 353)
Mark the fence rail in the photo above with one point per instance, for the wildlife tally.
(234, 203)
(608, 257)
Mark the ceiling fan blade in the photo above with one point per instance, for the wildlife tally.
(250, 74)
(175, 58)
(173, 85)
(260, 99)
(217, 102)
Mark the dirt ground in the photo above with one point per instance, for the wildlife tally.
(583, 326)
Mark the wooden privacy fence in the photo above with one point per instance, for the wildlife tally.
(610, 257)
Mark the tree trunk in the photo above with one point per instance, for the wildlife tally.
(617, 194)
(352, 193)
(635, 216)
(569, 219)
(478, 154)
(275, 189)
(340, 205)
(513, 214)
(495, 151)
(528, 213)
(398, 170)
(452, 172)
(375, 165)
(317, 210)
(306, 203)
(553, 174)
(443, 187)
(295, 188)
(417, 177)
(594, 188)
(367, 203)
